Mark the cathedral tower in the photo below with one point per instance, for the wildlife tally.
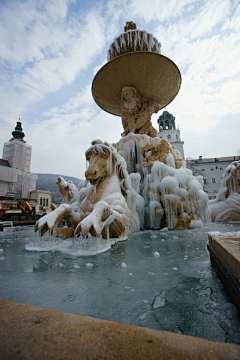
(16, 151)
(168, 131)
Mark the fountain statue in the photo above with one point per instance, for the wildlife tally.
(139, 182)
(136, 114)
(226, 206)
(108, 207)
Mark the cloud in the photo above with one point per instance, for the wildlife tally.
(48, 49)
(158, 10)
(63, 141)
(219, 141)
(81, 99)
(67, 132)
(51, 50)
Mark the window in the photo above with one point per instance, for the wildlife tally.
(46, 202)
(214, 180)
(43, 202)
(212, 169)
(40, 201)
(204, 181)
(169, 137)
(203, 169)
(215, 191)
(221, 168)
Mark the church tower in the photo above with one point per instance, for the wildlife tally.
(168, 131)
(16, 151)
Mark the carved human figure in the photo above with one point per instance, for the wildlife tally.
(130, 25)
(136, 113)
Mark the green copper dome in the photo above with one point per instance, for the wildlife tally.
(18, 132)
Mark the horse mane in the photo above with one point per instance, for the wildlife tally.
(106, 150)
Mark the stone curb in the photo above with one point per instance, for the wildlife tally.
(224, 251)
(29, 332)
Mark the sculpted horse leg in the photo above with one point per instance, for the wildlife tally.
(50, 221)
(116, 229)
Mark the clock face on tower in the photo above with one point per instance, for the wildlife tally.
(169, 137)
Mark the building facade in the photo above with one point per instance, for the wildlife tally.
(212, 170)
(43, 198)
(16, 180)
(168, 131)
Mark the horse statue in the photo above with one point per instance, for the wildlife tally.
(226, 206)
(110, 205)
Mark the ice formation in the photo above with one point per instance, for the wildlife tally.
(109, 207)
(131, 41)
(226, 206)
(173, 196)
(137, 183)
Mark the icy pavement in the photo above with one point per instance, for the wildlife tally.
(158, 279)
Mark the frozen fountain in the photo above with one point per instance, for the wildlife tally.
(139, 182)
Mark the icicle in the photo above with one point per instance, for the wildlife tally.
(98, 242)
(110, 162)
(108, 232)
(117, 46)
(130, 40)
(49, 236)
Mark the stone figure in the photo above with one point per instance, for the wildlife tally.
(68, 190)
(130, 25)
(136, 113)
(108, 208)
(226, 206)
(162, 152)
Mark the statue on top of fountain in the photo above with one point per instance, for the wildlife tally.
(130, 25)
(136, 113)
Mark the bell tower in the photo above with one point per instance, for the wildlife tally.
(16, 151)
(168, 131)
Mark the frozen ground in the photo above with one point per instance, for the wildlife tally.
(158, 279)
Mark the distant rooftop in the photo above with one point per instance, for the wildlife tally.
(213, 160)
(4, 163)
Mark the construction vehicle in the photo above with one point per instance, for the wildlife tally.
(24, 211)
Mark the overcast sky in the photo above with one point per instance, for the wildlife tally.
(51, 50)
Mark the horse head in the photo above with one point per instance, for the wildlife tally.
(100, 159)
